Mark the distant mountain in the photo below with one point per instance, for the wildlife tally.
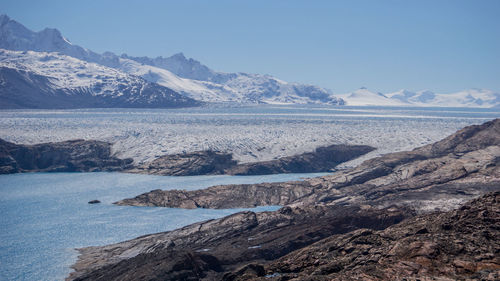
(466, 98)
(186, 76)
(31, 79)
(192, 79)
(365, 97)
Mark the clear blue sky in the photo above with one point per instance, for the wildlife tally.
(342, 45)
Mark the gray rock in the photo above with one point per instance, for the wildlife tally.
(67, 156)
(322, 159)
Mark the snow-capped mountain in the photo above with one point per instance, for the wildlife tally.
(186, 76)
(365, 97)
(467, 98)
(52, 80)
(191, 78)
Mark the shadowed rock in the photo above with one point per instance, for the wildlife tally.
(457, 245)
(208, 249)
(67, 156)
(322, 159)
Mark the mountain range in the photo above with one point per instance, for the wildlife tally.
(44, 69)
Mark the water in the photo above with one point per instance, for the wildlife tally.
(45, 216)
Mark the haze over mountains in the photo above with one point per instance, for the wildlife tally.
(47, 67)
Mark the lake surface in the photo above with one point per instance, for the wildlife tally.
(45, 216)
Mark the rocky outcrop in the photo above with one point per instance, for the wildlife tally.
(224, 196)
(457, 245)
(208, 249)
(67, 156)
(380, 192)
(187, 164)
(322, 159)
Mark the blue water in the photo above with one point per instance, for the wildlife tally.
(45, 216)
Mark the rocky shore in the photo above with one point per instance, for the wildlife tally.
(423, 188)
(67, 156)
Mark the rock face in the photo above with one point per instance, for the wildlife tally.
(323, 159)
(379, 193)
(456, 245)
(224, 196)
(208, 249)
(187, 164)
(67, 156)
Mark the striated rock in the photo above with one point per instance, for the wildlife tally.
(224, 196)
(323, 159)
(67, 156)
(209, 249)
(187, 164)
(456, 245)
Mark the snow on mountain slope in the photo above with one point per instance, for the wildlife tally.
(28, 76)
(195, 89)
(364, 97)
(242, 87)
(195, 80)
(467, 98)
(183, 67)
(186, 76)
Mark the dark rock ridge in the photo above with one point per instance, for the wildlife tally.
(380, 192)
(208, 249)
(463, 244)
(67, 156)
(322, 159)
(187, 164)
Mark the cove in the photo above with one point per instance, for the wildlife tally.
(45, 216)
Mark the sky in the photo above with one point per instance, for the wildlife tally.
(384, 45)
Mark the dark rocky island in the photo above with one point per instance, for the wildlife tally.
(322, 159)
(350, 213)
(67, 156)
